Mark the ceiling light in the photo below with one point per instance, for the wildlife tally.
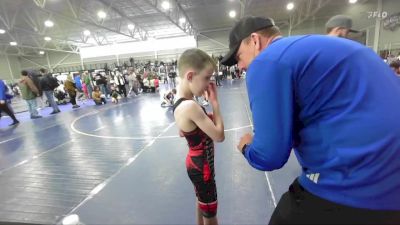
(101, 14)
(41, 52)
(182, 20)
(165, 5)
(2, 31)
(352, 1)
(290, 6)
(13, 43)
(48, 23)
(232, 14)
(131, 26)
(86, 32)
(47, 38)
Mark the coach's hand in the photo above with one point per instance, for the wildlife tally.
(245, 140)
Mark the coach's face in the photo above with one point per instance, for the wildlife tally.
(343, 33)
(248, 50)
(244, 55)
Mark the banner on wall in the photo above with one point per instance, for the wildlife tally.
(392, 22)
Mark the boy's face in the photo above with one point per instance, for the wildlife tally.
(200, 81)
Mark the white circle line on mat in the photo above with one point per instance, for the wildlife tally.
(131, 138)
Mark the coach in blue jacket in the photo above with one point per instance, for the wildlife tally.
(336, 103)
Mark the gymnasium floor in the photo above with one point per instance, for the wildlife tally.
(124, 164)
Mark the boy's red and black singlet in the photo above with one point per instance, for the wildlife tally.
(200, 167)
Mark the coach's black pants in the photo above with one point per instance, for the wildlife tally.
(298, 206)
(4, 107)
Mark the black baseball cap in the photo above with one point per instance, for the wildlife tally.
(240, 31)
(341, 21)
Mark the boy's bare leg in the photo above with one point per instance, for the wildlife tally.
(201, 220)
(199, 216)
(210, 221)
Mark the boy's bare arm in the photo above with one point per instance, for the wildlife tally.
(214, 129)
(212, 96)
(190, 115)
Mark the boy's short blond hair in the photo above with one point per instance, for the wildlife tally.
(195, 59)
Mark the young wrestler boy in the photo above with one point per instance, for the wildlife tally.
(200, 130)
(169, 98)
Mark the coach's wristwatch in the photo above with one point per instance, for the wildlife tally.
(244, 148)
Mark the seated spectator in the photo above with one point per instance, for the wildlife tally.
(98, 97)
(152, 85)
(146, 85)
(114, 95)
(156, 83)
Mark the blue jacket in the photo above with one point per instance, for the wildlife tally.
(78, 83)
(3, 90)
(336, 103)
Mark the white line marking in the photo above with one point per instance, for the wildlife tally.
(34, 131)
(238, 128)
(130, 138)
(33, 157)
(266, 174)
(1, 142)
(100, 186)
(102, 136)
(45, 128)
(270, 189)
(102, 127)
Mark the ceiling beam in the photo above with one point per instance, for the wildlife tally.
(12, 23)
(312, 7)
(82, 22)
(40, 3)
(39, 48)
(173, 15)
(4, 15)
(187, 18)
(215, 41)
(137, 7)
(216, 30)
(33, 62)
(34, 34)
(30, 21)
(71, 7)
(143, 33)
(12, 54)
(61, 61)
(243, 4)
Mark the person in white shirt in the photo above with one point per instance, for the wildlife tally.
(119, 80)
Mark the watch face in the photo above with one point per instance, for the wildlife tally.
(244, 148)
